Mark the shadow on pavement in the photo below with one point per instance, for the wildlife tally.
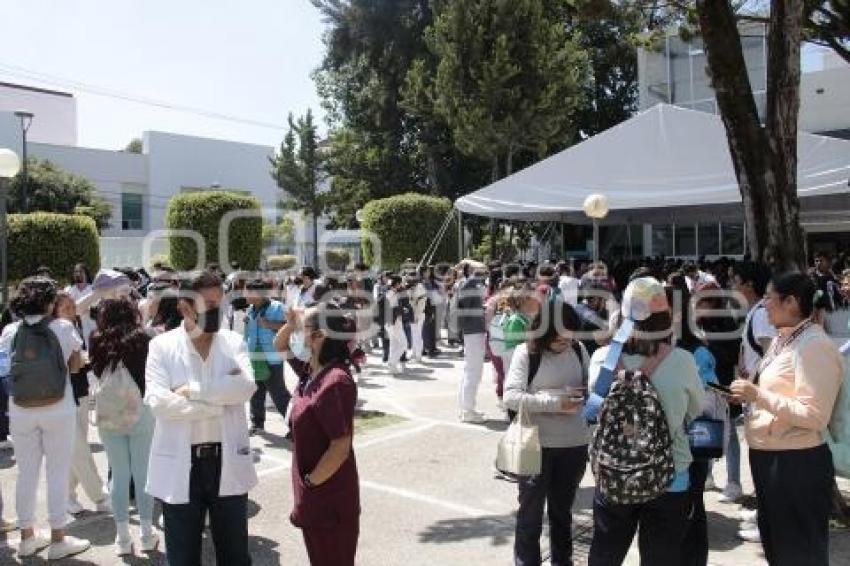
(498, 528)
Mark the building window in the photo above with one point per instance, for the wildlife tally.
(709, 239)
(131, 211)
(686, 239)
(662, 239)
(732, 239)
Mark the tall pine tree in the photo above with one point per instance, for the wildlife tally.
(298, 169)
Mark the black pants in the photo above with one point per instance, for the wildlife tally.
(429, 333)
(662, 523)
(275, 387)
(554, 488)
(695, 543)
(385, 342)
(184, 523)
(793, 490)
(4, 414)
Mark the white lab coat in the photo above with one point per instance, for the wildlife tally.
(223, 396)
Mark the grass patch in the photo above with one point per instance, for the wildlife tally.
(370, 420)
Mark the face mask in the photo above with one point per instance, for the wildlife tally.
(210, 321)
(79, 278)
(240, 304)
(298, 348)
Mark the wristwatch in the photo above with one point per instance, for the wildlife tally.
(307, 481)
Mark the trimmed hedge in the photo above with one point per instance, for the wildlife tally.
(337, 258)
(203, 212)
(405, 225)
(58, 241)
(281, 262)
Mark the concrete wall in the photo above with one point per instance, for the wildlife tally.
(112, 172)
(177, 162)
(55, 113)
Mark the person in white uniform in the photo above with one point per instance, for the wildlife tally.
(198, 379)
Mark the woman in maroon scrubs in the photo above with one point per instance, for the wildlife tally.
(324, 472)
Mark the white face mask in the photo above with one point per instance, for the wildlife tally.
(298, 348)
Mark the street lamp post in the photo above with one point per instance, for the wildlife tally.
(26, 121)
(596, 208)
(9, 167)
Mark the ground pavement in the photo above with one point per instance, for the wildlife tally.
(429, 495)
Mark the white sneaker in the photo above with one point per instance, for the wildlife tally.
(123, 547)
(6, 444)
(749, 517)
(69, 546)
(731, 493)
(149, 542)
(749, 535)
(104, 506)
(31, 546)
(474, 417)
(74, 507)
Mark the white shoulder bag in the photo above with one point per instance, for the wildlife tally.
(519, 449)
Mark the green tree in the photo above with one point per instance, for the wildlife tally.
(509, 78)
(298, 170)
(280, 233)
(135, 146)
(52, 189)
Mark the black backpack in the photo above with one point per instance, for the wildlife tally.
(631, 453)
(39, 372)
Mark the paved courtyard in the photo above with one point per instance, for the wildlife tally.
(429, 494)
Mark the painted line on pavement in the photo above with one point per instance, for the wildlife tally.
(413, 496)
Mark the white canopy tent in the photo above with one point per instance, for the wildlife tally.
(662, 163)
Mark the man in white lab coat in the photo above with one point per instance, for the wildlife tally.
(198, 379)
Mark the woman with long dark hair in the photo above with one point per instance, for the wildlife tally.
(119, 349)
(547, 377)
(790, 403)
(324, 471)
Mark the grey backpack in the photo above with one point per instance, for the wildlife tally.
(39, 372)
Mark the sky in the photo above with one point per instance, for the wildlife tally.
(249, 59)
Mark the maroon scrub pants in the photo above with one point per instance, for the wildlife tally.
(332, 546)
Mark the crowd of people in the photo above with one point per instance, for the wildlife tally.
(624, 368)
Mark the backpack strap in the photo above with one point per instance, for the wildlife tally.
(751, 339)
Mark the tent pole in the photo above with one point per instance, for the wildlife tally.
(459, 235)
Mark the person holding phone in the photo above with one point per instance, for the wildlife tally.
(791, 398)
(553, 394)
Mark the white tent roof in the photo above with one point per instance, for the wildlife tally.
(663, 159)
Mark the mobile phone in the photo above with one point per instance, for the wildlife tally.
(720, 388)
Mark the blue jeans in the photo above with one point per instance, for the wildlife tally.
(128, 455)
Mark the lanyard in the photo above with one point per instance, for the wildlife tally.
(779, 346)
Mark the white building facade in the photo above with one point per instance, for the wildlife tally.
(139, 186)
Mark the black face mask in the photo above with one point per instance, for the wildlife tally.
(239, 303)
(210, 321)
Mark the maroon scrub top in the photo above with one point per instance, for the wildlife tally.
(323, 411)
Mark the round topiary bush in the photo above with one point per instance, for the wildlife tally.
(337, 258)
(405, 225)
(58, 241)
(280, 262)
(203, 213)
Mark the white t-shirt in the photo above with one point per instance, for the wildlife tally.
(88, 324)
(569, 289)
(69, 341)
(761, 329)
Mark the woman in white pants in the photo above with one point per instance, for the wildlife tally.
(83, 470)
(395, 328)
(43, 433)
